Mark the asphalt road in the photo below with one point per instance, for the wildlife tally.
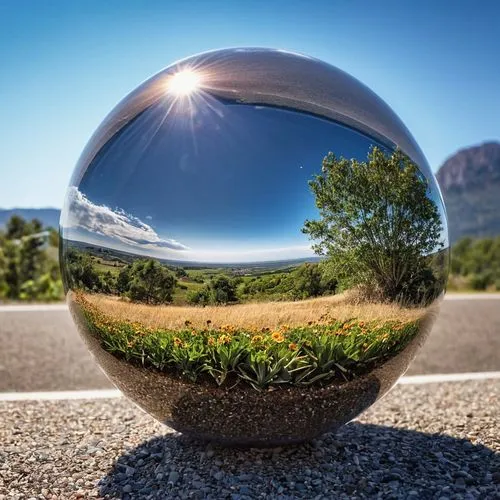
(40, 349)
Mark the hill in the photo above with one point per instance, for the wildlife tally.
(48, 216)
(470, 182)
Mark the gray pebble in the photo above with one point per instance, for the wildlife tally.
(432, 452)
(173, 477)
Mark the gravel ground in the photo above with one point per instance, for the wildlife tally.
(420, 442)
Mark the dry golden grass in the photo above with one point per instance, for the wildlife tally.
(256, 315)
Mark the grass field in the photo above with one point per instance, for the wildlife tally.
(257, 315)
(180, 294)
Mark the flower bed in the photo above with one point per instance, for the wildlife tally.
(317, 353)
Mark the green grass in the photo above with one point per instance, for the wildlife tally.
(298, 356)
(102, 266)
(180, 294)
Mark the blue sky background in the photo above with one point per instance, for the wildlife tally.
(64, 65)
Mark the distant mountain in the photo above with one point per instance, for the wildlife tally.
(48, 216)
(470, 182)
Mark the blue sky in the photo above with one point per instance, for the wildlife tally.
(225, 183)
(64, 65)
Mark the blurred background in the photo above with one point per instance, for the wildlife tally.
(66, 64)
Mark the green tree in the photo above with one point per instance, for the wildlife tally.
(123, 280)
(28, 267)
(377, 224)
(4, 289)
(151, 282)
(81, 273)
(32, 257)
(307, 281)
(12, 269)
(219, 290)
(199, 297)
(180, 272)
(222, 290)
(108, 282)
(16, 228)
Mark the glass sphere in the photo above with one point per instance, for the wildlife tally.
(253, 247)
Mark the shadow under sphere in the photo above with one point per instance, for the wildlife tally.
(253, 247)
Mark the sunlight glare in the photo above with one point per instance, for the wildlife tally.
(184, 82)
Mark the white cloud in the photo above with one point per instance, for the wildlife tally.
(83, 214)
(252, 255)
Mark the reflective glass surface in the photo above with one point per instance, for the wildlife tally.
(254, 247)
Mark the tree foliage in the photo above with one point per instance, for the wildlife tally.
(475, 263)
(81, 272)
(219, 290)
(377, 225)
(28, 261)
(145, 280)
(150, 282)
(310, 279)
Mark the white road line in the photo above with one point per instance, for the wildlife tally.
(63, 307)
(447, 377)
(60, 395)
(472, 296)
(114, 393)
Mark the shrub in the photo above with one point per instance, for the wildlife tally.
(481, 281)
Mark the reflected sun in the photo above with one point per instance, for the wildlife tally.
(184, 83)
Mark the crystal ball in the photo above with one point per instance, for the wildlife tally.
(254, 247)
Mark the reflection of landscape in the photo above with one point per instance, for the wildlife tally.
(380, 263)
(249, 257)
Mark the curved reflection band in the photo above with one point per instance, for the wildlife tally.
(254, 247)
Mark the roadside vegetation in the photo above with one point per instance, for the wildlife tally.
(475, 265)
(29, 268)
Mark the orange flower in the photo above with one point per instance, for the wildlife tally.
(277, 337)
(178, 341)
(293, 346)
(187, 322)
(257, 338)
(211, 341)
